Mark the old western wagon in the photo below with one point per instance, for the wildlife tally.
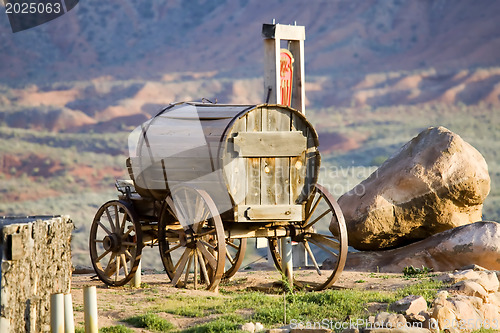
(205, 178)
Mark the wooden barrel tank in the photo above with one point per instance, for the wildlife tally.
(260, 160)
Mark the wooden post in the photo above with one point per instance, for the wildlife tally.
(286, 259)
(136, 280)
(90, 309)
(295, 35)
(57, 313)
(69, 322)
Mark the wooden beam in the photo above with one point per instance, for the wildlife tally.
(283, 31)
(270, 144)
(269, 212)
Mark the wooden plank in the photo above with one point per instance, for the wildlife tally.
(254, 124)
(298, 165)
(270, 144)
(246, 213)
(298, 86)
(284, 31)
(282, 185)
(235, 166)
(267, 175)
(189, 163)
(272, 93)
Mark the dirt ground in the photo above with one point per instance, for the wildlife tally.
(116, 304)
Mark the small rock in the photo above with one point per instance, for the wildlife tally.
(474, 267)
(422, 317)
(248, 327)
(471, 288)
(278, 330)
(259, 327)
(381, 317)
(467, 309)
(488, 280)
(410, 305)
(441, 298)
(444, 316)
(494, 298)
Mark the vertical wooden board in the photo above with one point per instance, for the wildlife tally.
(253, 183)
(235, 166)
(282, 185)
(268, 180)
(298, 165)
(267, 168)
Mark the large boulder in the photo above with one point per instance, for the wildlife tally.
(477, 243)
(436, 182)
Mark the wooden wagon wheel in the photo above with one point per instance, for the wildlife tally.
(235, 253)
(191, 238)
(323, 236)
(115, 243)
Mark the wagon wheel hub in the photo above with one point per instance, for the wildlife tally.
(112, 242)
(187, 239)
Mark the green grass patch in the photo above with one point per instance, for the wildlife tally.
(427, 288)
(114, 329)
(151, 322)
(227, 323)
(410, 271)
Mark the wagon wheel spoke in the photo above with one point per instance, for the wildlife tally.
(206, 233)
(317, 219)
(214, 248)
(104, 227)
(195, 273)
(117, 270)
(105, 253)
(235, 253)
(109, 266)
(311, 212)
(179, 268)
(124, 262)
(117, 219)
(311, 255)
(230, 257)
(124, 221)
(324, 248)
(325, 241)
(212, 261)
(172, 249)
(203, 268)
(190, 261)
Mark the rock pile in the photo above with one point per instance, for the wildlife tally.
(471, 303)
(436, 182)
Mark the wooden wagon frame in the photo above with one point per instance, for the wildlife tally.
(204, 179)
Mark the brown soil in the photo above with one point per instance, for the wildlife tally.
(116, 304)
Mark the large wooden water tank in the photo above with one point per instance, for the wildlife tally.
(244, 156)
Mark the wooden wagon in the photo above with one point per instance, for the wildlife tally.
(204, 179)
